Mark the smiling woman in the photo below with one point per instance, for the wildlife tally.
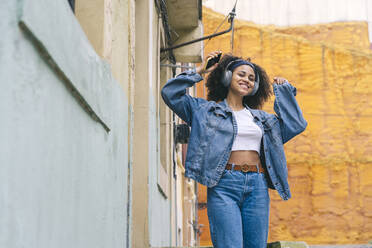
(217, 91)
(235, 149)
(243, 78)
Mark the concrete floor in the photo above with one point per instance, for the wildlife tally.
(341, 246)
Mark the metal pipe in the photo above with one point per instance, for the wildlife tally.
(231, 20)
(232, 40)
(177, 66)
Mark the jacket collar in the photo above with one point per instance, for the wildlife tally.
(225, 107)
(255, 112)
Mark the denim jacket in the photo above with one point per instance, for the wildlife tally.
(214, 128)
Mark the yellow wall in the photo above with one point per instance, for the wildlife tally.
(330, 164)
(352, 35)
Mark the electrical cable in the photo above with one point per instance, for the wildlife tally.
(215, 31)
(232, 12)
(232, 31)
(161, 8)
(231, 20)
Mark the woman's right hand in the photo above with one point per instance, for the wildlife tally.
(200, 69)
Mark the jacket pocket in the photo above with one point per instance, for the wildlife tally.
(272, 128)
(215, 116)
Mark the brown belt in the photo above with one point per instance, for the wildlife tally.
(246, 168)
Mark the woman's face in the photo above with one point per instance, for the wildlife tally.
(242, 81)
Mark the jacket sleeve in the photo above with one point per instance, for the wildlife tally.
(174, 95)
(288, 111)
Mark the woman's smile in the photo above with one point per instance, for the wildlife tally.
(244, 85)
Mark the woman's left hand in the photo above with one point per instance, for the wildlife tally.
(279, 80)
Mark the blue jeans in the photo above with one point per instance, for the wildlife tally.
(238, 210)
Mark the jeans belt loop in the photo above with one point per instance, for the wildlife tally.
(232, 166)
(258, 168)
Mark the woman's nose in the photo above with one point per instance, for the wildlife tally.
(246, 80)
(249, 81)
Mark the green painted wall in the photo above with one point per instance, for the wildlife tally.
(63, 175)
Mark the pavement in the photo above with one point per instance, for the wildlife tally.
(341, 246)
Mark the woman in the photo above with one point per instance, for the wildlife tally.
(235, 149)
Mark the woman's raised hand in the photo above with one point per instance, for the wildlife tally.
(201, 68)
(279, 80)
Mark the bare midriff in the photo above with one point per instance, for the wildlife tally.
(244, 157)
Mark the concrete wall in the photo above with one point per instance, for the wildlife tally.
(294, 12)
(63, 135)
(159, 203)
(135, 58)
(86, 149)
(110, 28)
(152, 198)
(131, 44)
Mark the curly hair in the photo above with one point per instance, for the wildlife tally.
(218, 92)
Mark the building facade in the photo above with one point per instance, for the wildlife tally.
(88, 155)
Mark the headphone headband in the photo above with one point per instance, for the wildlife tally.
(238, 62)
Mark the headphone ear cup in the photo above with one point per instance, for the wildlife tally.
(227, 78)
(255, 88)
(256, 85)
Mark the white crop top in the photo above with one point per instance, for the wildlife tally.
(249, 134)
